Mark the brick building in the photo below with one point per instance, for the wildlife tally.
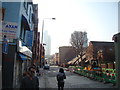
(66, 53)
(36, 41)
(56, 58)
(101, 50)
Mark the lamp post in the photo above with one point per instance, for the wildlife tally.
(42, 45)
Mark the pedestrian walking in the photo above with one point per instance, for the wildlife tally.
(60, 78)
(30, 81)
(37, 71)
(34, 69)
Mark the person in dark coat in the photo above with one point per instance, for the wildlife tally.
(60, 78)
(30, 81)
(37, 71)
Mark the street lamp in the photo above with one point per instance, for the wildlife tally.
(43, 28)
(42, 45)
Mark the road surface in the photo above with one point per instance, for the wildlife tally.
(48, 80)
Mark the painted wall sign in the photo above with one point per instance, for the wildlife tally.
(9, 29)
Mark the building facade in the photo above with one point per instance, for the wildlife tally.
(116, 39)
(18, 26)
(47, 41)
(36, 40)
(56, 58)
(66, 53)
(101, 51)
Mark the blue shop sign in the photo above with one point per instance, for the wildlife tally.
(29, 39)
(5, 45)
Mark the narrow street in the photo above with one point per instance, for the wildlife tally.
(48, 80)
(82, 34)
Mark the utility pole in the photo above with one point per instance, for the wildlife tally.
(116, 39)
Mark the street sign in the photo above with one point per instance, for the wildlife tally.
(5, 45)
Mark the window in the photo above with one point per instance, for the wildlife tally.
(26, 6)
(21, 32)
(24, 35)
(2, 10)
(30, 16)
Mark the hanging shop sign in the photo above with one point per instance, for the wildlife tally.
(29, 39)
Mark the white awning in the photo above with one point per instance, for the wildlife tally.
(24, 49)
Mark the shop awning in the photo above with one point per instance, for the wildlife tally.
(22, 57)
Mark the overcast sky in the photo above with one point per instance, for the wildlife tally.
(98, 19)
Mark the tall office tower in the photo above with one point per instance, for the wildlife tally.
(47, 41)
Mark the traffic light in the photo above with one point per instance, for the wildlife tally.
(42, 56)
